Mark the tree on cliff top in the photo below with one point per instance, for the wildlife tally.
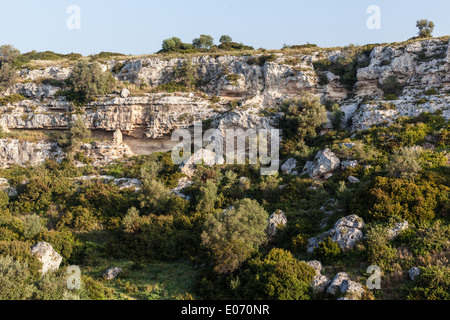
(425, 28)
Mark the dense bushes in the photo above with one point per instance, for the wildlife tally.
(14, 282)
(278, 276)
(386, 198)
(204, 43)
(433, 283)
(86, 81)
(302, 117)
(327, 251)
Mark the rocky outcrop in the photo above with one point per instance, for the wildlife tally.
(346, 233)
(4, 186)
(33, 90)
(202, 156)
(103, 153)
(245, 86)
(276, 219)
(17, 152)
(122, 183)
(53, 72)
(241, 120)
(418, 63)
(49, 258)
(374, 113)
(325, 162)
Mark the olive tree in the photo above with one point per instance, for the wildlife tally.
(234, 234)
(203, 42)
(425, 28)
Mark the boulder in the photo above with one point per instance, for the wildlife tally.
(325, 162)
(289, 166)
(316, 265)
(49, 258)
(320, 283)
(348, 164)
(399, 228)
(276, 219)
(353, 179)
(352, 289)
(414, 273)
(112, 273)
(335, 285)
(348, 145)
(346, 233)
(125, 93)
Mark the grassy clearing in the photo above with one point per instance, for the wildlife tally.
(158, 281)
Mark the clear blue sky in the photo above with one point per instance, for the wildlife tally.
(138, 26)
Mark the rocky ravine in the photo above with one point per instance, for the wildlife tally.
(418, 66)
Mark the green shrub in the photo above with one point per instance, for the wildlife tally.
(278, 276)
(404, 164)
(232, 235)
(327, 251)
(391, 86)
(15, 97)
(261, 60)
(14, 280)
(379, 251)
(32, 226)
(433, 283)
(87, 80)
(415, 202)
(302, 117)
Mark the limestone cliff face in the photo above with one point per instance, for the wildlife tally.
(418, 64)
(244, 85)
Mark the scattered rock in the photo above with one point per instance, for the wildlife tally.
(353, 179)
(10, 191)
(352, 289)
(347, 145)
(335, 285)
(348, 164)
(414, 273)
(182, 184)
(323, 165)
(399, 228)
(289, 166)
(122, 183)
(112, 273)
(50, 258)
(125, 93)
(320, 283)
(346, 233)
(276, 219)
(316, 265)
